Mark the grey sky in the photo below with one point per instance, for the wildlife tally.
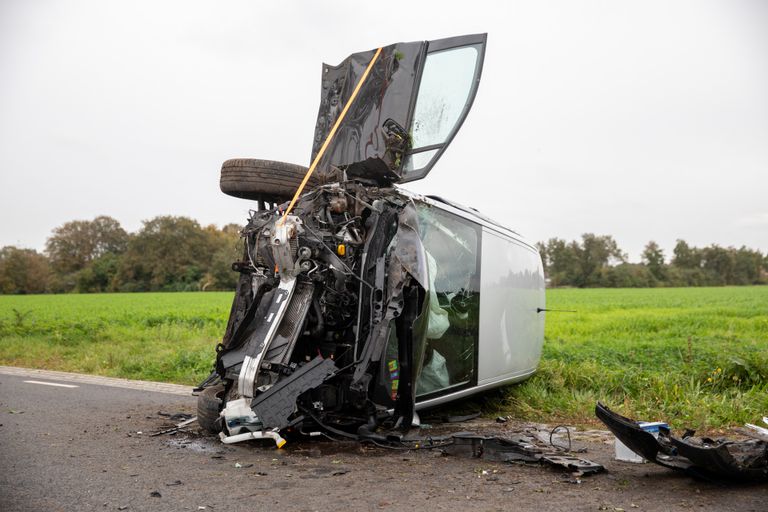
(643, 120)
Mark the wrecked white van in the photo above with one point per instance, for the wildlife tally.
(359, 302)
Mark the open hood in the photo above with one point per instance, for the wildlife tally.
(407, 111)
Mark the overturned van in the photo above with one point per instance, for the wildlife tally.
(358, 302)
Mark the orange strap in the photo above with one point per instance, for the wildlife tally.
(330, 135)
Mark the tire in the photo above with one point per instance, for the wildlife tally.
(263, 180)
(208, 407)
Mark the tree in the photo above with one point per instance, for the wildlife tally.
(595, 253)
(717, 263)
(23, 271)
(686, 256)
(168, 253)
(97, 277)
(627, 275)
(75, 244)
(561, 262)
(653, 258)
(220, 275)
(748, 266)
(580, 264)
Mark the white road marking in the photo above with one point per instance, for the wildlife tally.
(51, 384)
(79, 378)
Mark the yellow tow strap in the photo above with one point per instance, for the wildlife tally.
(330, 135)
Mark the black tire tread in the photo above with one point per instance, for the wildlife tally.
(208, 407)
(249, 178)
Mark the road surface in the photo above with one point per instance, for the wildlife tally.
(70, 442)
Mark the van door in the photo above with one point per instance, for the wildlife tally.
(407, 110)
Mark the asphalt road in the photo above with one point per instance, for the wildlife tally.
(84, 445)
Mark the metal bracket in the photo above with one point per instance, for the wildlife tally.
(252, 362)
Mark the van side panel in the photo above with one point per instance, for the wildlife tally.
(511, 330)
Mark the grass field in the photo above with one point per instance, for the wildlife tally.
(695, 357)
(692, 356)
(151, 336)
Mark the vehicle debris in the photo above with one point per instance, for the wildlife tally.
(516, 449)
(755, 431)
(178, 416)
(176, 428)
(624, 454)
(359, 303)
(719, 459)
(436, 420)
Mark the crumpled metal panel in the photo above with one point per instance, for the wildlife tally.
(362, 141)
(407, 258)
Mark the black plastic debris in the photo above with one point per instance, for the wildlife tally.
(573, 464)
(179, 416)
(434, 420)
(516, 449)
(719, 459)
(275, 406)
(188, 420)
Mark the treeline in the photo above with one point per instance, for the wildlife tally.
(178, 254)
(597, 261)
(166, 254)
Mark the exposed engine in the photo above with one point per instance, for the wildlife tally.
(324, 293)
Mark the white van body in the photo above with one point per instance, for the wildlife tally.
(512, 299)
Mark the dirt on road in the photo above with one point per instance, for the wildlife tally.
(332, 475)
(90, 448)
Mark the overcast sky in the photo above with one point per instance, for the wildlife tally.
(642, 120)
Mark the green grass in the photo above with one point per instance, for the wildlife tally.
(695, 357)
(151, 336)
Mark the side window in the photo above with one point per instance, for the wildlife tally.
(453, 257)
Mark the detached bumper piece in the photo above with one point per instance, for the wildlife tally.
(701, 457)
